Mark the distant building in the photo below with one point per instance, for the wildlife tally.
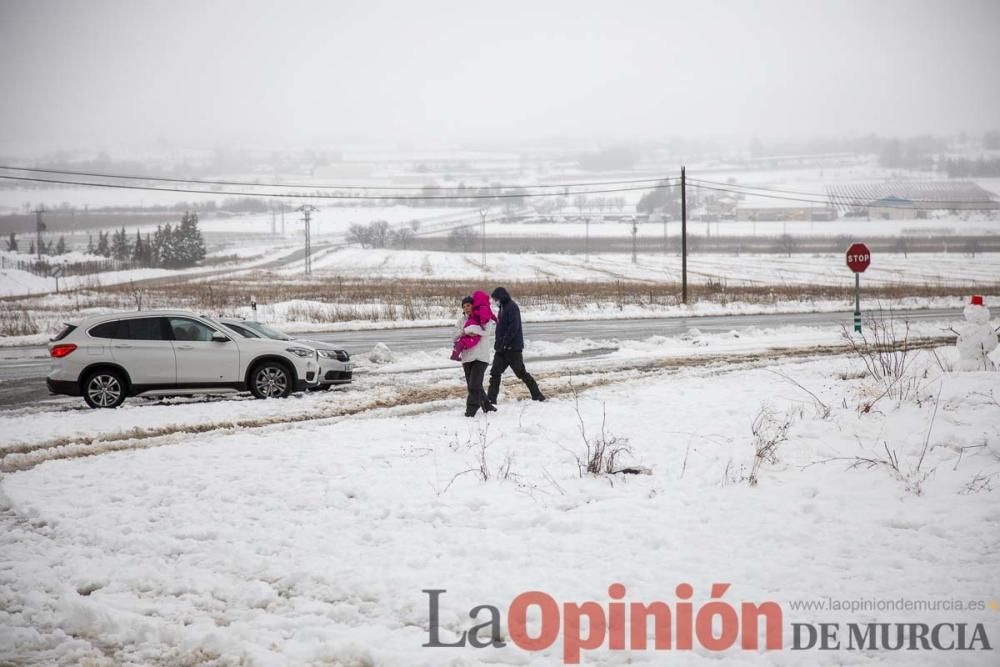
(909, 199)
(891, 208)
(754, 208)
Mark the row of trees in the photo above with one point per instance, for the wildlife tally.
(168, 247)
(378, 234)
(48, 248)
(667, 199)
(965, 168)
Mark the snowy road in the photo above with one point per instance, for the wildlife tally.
(22, 368)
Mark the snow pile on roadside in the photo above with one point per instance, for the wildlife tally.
(313, 544)
(381, 354)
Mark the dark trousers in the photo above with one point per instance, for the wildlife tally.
(513, 359)
(475, 371)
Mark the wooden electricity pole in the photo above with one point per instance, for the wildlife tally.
(39, 228)
(307, 210)
(684, 237)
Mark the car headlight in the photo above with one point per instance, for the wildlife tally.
(327, 354)
(299, 351)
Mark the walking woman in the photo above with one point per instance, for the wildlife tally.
(474, 339)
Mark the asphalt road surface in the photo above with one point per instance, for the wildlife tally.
(23, 369)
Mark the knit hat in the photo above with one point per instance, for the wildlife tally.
(466, 300)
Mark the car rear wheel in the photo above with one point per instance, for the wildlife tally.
(104, 389)
(271, 380)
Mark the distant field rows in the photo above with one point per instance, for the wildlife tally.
(828, 269)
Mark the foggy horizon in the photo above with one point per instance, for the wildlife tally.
(112, 74)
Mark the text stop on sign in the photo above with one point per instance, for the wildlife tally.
(858, 257)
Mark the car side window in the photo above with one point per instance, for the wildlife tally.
(106, 330)
(143, 328)
(190, 330)
(246, 333)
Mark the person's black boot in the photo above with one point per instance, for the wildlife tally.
(536, 393)
(493, 392)
(488, 407)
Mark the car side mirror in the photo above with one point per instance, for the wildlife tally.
(219, 338)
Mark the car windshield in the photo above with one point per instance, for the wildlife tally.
(241, 330)
(217, 325)
(267, 331)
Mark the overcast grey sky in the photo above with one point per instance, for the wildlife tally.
(107, 73)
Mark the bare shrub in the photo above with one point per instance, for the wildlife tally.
(883, 346)
(769, 431)
(913, 478)
(978, 484)
(602, 453)
(16, 320)
(480, 442)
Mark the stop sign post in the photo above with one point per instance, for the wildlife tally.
(859, 257)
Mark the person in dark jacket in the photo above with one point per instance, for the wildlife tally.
(509, 347)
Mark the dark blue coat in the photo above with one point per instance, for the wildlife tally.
(508, 333)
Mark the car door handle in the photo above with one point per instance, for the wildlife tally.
(122, 345)
(185, 347)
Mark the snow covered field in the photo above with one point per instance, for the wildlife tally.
(856, 228)
(958, 275)
(825, 269)
(14, 282)
(312, 541)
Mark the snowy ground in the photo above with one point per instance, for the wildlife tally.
(304, 531)
(819, 269)
(971, 224)
(14, 282)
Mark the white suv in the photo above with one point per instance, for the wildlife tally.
(108, 357)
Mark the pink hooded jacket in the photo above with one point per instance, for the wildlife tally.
(480, 316)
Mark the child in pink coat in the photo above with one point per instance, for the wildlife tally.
(480, 315)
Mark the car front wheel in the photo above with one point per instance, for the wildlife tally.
(104, 389)
(271, 380)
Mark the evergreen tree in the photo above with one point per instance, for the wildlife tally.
(120, 249)
(138, 250)
(170, 256)
(90, 244)
(103, 247)
(12, 242)
(149, 256)
(31, 248)
(61, 246)
(190, 244)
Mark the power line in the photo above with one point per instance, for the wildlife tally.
(846, 201)
(320, 186)
(830, 197)
(299, 195)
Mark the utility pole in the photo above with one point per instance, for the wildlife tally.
(307, 210)
(273, 227)
(635, 233)
(282, 218)
(482, 236)
(587, 246)
(39, 228)
(684, 237)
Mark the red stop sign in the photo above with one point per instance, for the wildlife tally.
(858, 257)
